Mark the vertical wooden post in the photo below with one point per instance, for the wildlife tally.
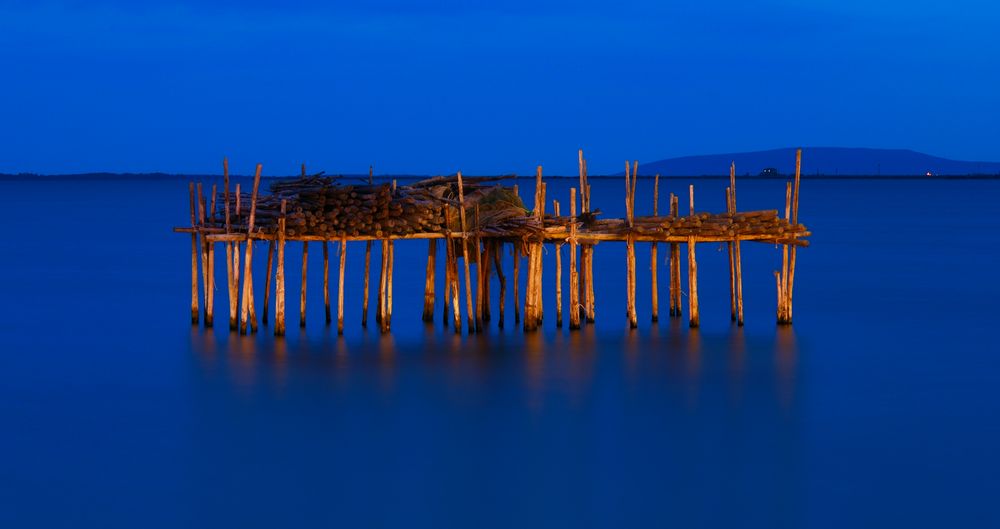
(591, 300)
(795, 222)
(326, 280)
(470, 315)
(230, 276)
(210, 313)
(517, 280)
(539, 302)
(529, 291)
(194, 259)
(268, 277)
(387, 316)
(211, 210)
(368, 262)
(279, 277)
(247, 270)
(340, 286)
(446, 299)
(630, 249)
(237, 249)
(429, 281)
(655, 288)
(574, 280)
(380, 303)
(558, 247)
(782, 299)
(732, 257)
(497, 261)
(692, 274)
(582, 289)
(479, 277)
(210, 246)
(453, 267)
(302, 293)
(737, 258)
(675, 263)
(203, 248)
(487, 261)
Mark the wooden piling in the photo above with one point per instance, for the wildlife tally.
(210, 312)
(582, 288)
(340, 286)
(737, 267)
(368, 262)
(237, 250)
(574, 280)
(447, 269)
(591, 300)
(498, 262)
(210, 318)
(231, 281)
(630, 244)
(326, 281)
(279, 277)
(517, 281)
(380, 303)
(732, 260)
(487, 261)
(211, 210)
(692, 274)
(795, 222)
(479, 276)
(558, 248)
(387, 315)
(203, 250)
(428, 315)
(675, 263)
(470, 315)
(247, 259)
(268, 276)
(782, 299)
(452, 267)
(539, 297)
(529, 291)
(302, 294)
(654, 283)
(194, 260)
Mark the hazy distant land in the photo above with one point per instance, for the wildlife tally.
(824, 161)
(818, 162)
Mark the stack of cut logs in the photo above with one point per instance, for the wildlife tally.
(764, 223)
(320, 206)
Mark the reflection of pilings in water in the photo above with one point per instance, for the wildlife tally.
(737, 363)
(692, 366)
(785, 364)
(387, 363)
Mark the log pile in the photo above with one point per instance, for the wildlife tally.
(758, 224)
(321, 206)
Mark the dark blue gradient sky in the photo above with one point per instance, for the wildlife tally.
(432, 87)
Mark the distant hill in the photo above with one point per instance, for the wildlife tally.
(828, 161)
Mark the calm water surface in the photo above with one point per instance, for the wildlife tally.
(878, 408)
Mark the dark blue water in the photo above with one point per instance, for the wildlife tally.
(878, 408)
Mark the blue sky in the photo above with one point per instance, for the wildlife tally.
(434, 87)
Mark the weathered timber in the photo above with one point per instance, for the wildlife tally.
(482, 216)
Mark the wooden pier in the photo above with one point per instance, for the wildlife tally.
(477, 219)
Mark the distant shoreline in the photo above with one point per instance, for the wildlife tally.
(350, 178)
